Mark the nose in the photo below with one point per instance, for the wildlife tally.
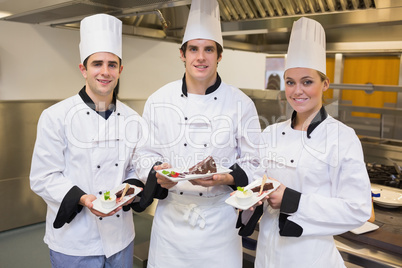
(200, 55)
(299, 88)
(105, 70)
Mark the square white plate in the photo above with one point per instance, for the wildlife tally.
(366, 227)
(255, 198)
(219, 170)
(98, 205)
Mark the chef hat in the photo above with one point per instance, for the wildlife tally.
(307, 46)
(204, 22)
(100, 33)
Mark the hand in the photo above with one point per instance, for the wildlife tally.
(86, 201)
(217, 179)
(162, 180)
(275, 198)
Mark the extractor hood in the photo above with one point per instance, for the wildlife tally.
(251, 25)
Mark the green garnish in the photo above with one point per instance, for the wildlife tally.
(241, 189)
(107, 195)
(165, 172)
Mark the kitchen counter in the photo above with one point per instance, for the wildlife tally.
(383, 245)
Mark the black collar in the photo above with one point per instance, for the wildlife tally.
(318, 119)
(208, 91)
(88, 101)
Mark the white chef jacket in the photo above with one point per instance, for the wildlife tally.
(328, 170)
(77, 147)
(193, 223)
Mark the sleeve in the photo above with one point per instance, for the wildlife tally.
(249, 140)
(347, 207)
(46, 177)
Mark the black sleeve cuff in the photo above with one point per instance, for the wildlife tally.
(137, 183)
(290, 201)
(151, 190)
(248, 228)
(240, 177)
(69, 207)
(288, 228)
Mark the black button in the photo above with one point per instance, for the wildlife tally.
(100, 192)
(118, 113)
(118, 215)
(185, 118)
(215, 98)
(116, 164)
(98, 166)
(185, 144)
(205, 145)
(100, 218)
(181, 193)
(87, 112)
(283, 133)
(182, 95)
(200, 194)
(291, 161)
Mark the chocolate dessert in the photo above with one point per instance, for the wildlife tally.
(267, 186)
(129, 191)
(206, 166)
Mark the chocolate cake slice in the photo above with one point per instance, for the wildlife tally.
(206, 166)
(129, 191)
(267, 186)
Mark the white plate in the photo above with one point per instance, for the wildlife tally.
(388, 198)
(255, 198)
(367, 227)
(219, 170)
(98, 205)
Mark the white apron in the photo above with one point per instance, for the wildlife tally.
(195, 219)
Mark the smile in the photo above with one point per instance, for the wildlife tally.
(103, 81)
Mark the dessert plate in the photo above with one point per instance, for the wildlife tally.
(184, 177)
(388, 198)
(98, 205)
(255, 197)
(366, 227)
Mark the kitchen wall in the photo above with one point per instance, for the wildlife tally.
(40, 62)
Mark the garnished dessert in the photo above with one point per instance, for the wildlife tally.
(243, 196)
(108, 200)
(129, 191)
(206, 166)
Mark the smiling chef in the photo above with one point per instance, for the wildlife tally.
(84, 147)
(325, 188)
(191, 119)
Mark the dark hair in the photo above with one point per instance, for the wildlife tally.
(219, 49)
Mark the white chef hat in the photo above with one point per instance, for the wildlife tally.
(100, 33)
(204, 22)
(307, 46)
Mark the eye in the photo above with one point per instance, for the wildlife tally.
(113, 65)
(192, 49)
(290, 83)
(307, 82)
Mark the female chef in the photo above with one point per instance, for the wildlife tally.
(325, 189)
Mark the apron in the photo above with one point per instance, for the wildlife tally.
(196, 232)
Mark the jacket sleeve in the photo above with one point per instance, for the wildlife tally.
(347, 207)
(46, 176)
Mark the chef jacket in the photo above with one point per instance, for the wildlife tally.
(194, 224)
(328, 192)
(77, 151)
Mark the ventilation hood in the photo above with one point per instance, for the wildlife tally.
(250, 25)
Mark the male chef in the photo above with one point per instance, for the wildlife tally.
(189, 120)
(84, 147)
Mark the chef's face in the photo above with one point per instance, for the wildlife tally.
(304, 88)
(102, 73)
(201, 60)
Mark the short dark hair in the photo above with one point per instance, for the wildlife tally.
(219, 49)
